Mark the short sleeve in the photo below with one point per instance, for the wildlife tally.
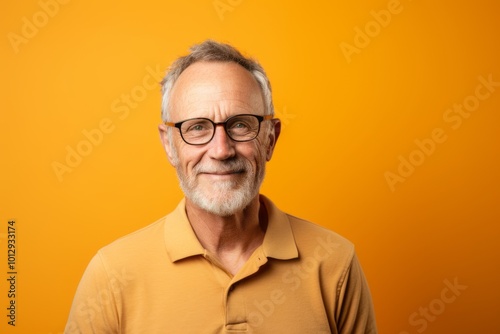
(355, 306)
(94, 308)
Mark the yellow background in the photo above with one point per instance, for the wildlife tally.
(348, 120)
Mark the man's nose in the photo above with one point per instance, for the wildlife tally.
(221, 146)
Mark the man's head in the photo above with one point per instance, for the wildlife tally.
(211, 51)
(220, 174)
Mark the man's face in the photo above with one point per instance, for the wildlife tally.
(222, 176)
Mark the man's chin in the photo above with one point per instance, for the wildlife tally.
(221, 202)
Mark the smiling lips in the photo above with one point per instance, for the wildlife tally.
(222, 173)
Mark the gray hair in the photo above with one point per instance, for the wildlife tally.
(216, 52)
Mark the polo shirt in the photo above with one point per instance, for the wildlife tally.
(302, 279)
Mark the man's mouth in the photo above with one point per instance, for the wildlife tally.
(222, 173)
(221, 170)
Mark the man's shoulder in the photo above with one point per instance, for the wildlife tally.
(142, 239)
(310, 235)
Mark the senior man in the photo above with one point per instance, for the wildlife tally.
(226, 260)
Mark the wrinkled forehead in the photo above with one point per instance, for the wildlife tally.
(207, 85)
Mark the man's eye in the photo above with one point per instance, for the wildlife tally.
(197, 127)
(240, 125)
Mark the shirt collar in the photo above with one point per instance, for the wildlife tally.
(181, 241)
(279, 242)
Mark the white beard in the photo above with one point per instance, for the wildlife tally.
(225, 197)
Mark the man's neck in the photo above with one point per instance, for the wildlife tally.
(231, 239)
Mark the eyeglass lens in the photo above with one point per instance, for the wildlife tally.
(238, 128)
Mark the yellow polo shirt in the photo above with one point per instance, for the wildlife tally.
(302, 279)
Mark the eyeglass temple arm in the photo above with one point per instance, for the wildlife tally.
(170, 124)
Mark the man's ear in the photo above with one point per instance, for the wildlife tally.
(165, 140)
(273, 137)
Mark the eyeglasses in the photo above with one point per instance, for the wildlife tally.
(240, 128)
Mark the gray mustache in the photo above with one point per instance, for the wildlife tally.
(233, 166)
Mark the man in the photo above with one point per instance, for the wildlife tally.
(227, 260)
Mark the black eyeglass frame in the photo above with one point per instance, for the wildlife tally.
(260, 118)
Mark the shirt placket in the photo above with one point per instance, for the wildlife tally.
(236, 296)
